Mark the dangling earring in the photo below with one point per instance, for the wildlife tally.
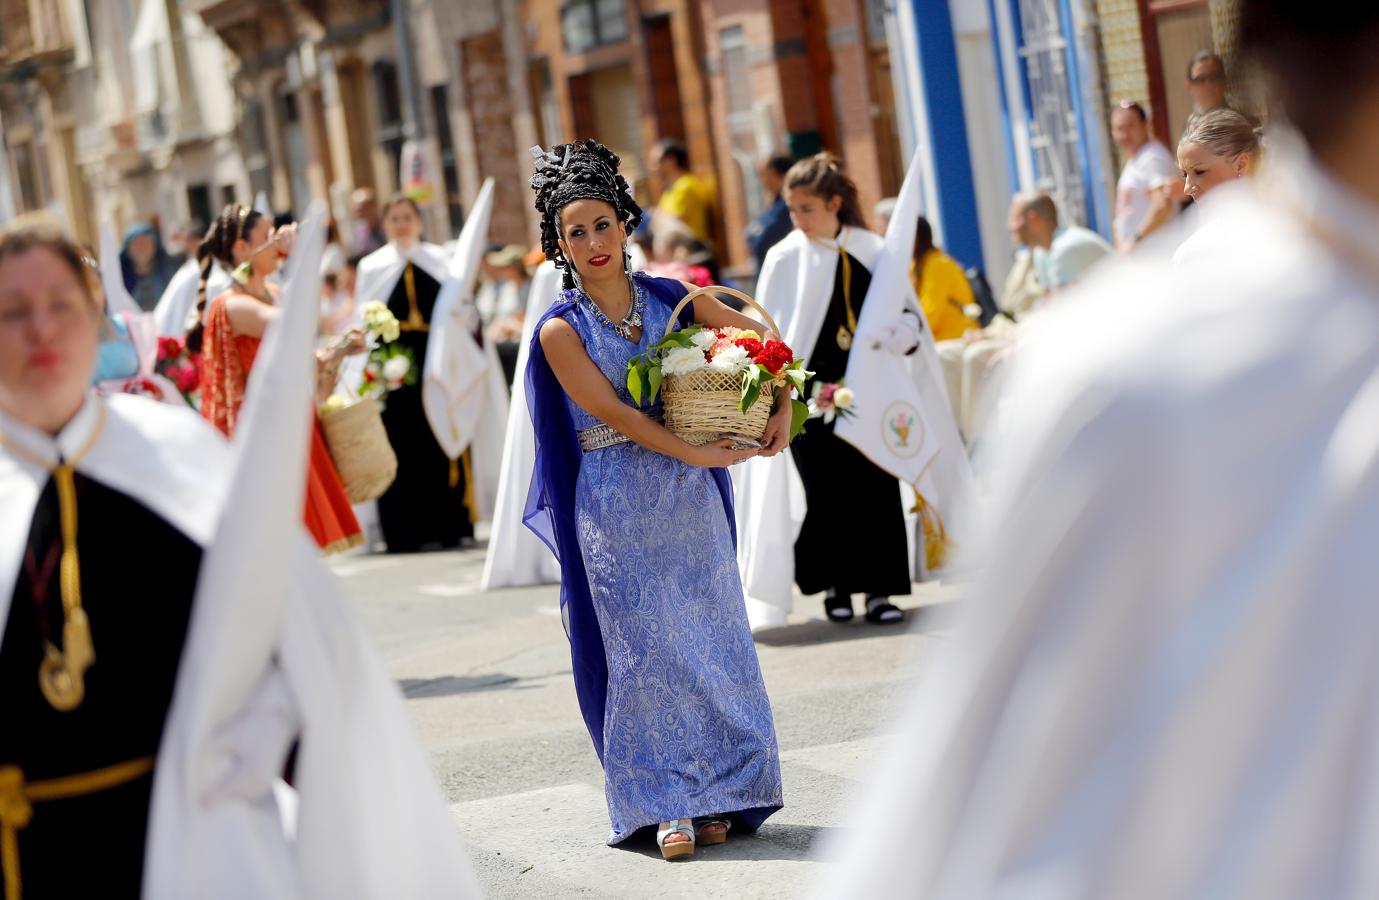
(574, 276)
(626, 260)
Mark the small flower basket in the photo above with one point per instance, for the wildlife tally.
(358, 444)
(353, 427)
(718, 383)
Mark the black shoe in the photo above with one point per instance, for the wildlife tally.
(838, 607)
(880, 611)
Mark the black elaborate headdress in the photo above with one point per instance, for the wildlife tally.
(583, 170)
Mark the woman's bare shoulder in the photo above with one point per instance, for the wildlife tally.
(557, 329)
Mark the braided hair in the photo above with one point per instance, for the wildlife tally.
(584, 170)
(234, 222)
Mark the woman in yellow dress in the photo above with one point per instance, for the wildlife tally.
(941, 286)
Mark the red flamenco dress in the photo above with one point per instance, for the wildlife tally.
(226, 359)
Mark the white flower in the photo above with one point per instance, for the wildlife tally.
(704, 339)
(842, 398)
(334, 402)
(379, 321)
(396, 368)
(729, 359)
(683, 361)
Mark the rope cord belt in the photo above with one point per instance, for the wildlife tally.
(414, 320)
(62, 673)
(845, 332)
(17, 798)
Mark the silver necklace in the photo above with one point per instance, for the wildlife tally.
(632, 320)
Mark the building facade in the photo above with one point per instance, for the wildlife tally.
(733, 80)
(107, 118)
(1016, 95)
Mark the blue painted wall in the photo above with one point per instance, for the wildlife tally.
(956, 197)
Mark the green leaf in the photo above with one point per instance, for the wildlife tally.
(681, 338)
(653, 377)
(799, 414)
(751, 390)
(634, 382)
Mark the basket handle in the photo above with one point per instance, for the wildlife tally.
(718, 289)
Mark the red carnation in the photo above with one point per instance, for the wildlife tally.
(169, 348)
(186, 377)
(774, 357)
(370, 377)
(751, 345)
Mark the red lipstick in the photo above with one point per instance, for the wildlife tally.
(599, 260)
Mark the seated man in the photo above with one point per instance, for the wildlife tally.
(1062, 253)
(1058, 257)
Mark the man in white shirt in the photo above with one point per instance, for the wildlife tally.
(1148, 168)
(1165, 684)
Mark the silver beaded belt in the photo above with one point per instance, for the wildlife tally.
(601, 436)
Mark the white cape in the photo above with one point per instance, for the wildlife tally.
(380, 271)
(1165, 685)
(795, 287)
(463, 389)
(174, 310)
(365, 789)
(375, 280)
(517, 557)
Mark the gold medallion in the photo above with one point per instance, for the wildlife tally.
(62, 687)
(844, 338)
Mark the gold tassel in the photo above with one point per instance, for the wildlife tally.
(62, 673)
(935, 535)
(454, 473)
(469, 501)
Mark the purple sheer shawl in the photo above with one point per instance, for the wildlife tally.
(550, 511)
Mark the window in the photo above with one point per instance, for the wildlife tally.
(227, 195)
(586, 24)
(389, 101)
(199, 202)
(254, 139)
(548, 129)
(27, 170)
(742, 113)
(449, 169)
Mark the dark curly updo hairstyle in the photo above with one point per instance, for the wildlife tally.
(584, 170)
(235, 222)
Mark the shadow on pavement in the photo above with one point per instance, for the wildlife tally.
(785, 841)
(935, 617)
(448, 685)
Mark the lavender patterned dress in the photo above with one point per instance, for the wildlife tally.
(687, 726)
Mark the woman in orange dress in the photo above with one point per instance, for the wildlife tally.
(244, 241)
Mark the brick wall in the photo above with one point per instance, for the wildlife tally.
(491, 114)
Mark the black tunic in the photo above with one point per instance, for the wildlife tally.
(853, 537)
(421, 510)
(93, 845)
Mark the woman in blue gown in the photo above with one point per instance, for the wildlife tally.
(641, 521)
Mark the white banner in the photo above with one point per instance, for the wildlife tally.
(890, 423)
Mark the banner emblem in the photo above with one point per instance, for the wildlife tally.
(902, 430)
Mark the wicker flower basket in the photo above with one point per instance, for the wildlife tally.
(703, 406)
(358, 444)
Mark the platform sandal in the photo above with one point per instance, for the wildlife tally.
(881, 611)
(676, 849)
(707, 837)
(838, 607)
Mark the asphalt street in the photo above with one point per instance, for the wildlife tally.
(487, 676)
